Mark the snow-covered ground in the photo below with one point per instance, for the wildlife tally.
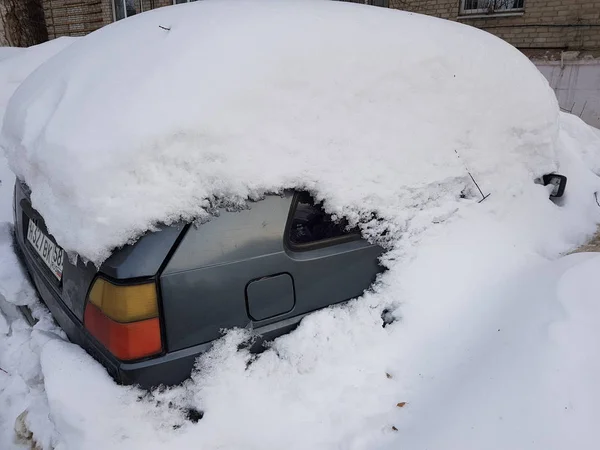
(495, 342)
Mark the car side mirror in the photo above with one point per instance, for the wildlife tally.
(559, 183)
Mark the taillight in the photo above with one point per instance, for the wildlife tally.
(124, 318)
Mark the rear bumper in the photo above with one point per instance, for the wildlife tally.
(169, 369)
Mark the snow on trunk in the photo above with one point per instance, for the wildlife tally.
(368, 108)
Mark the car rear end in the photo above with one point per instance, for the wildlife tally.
(113, 312)
(153, 307)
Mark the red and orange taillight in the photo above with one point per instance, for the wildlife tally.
(124, 318)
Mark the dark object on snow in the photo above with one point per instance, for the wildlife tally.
(558, 181)
(194, 415)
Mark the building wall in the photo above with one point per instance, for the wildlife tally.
(577, 87)
(544, 24)
(76, 17)
(80, 17)
(446, 9)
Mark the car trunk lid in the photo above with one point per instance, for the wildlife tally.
(142, 260)
(71, 283)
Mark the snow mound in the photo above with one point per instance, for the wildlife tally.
(15, 65)
(163, 115)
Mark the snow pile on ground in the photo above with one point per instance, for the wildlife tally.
(523, 374)
(365, 107)
(15, 65)
(493, 344)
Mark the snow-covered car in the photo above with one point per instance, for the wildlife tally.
(426, 135)
(153, 307)
(176, 176)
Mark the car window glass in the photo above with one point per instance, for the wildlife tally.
(310, 224)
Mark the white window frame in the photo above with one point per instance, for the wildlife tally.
(490, 9)
(124, 3)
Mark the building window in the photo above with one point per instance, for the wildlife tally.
(128, 8)
(124, 8)
(491, 6)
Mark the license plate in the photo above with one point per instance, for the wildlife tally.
(51, 254)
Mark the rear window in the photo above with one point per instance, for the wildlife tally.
(309, 226)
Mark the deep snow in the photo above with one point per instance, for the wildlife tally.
(495, 342)
(366, 107)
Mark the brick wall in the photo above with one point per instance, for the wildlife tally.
(80, 17)
(544, 24)
(446, 9)
(75, 17)
(107, 12)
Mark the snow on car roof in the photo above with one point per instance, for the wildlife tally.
(149, 119)
(15, 65)
(9, 52)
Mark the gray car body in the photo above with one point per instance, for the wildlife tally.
(237, 270)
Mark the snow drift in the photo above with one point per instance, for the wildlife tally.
(377, 111)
